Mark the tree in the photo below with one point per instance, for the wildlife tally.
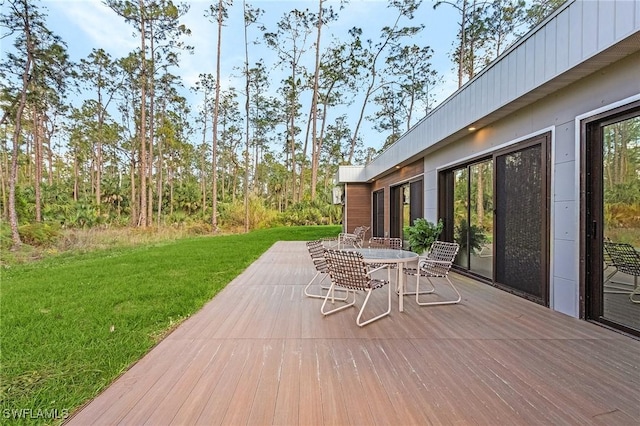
(220, 12)
(391, 35)
(250, 17)
(501, 23)
(391, 115)
(99, 71)
(540, 9)
(464, 55)
(164, 38)
(410, 68)
(290, 43)
(39, 65)
(138, 16)
(155, 21)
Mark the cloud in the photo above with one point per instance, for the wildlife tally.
(91, 23)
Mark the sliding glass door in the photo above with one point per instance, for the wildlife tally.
(497, 209)
(472, 216)
(612, 218)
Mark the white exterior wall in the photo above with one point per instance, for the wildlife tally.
(584, 58)
(559, 114)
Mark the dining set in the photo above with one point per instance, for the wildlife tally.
(353, 265)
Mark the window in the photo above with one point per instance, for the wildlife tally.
(406, 205)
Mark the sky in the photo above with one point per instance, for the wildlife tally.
(88, 24)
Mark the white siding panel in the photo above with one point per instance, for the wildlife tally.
(482, 93)
(564, 222)
(606, 14)
(469, 99)
(465, 111)
(550, 50)
(625, 13)
(562, 33)
(526, 62)
(637, 20)
(565, 149)
(565, 293)
(540, 58)
(564, 181)
(511, 78)
(496, 84)
(590, 19)
(502, 80)
(575, 33)
(565, 259)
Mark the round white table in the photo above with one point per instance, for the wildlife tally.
(390, 256)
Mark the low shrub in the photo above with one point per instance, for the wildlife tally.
(39, 234)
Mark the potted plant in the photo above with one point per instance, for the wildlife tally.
(474, 234)
(422, 234)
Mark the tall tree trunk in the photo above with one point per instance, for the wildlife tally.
(3, 181)
(315, 146)
(463, 43)
(152, 96)
(37, 149)
(203, 175)
(76, 176)
(134, 199)
(13, 176)
(142, 220)
(246, 108)
(159, 167)
(50, 157)
(292, 147)
(99, 144)
(216, 110)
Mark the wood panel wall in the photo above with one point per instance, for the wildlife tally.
(357, 209)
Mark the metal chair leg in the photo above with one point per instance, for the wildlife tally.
(321, 296)
(444, 302)
(339, 308)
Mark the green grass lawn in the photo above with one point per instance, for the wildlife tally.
(70, 325)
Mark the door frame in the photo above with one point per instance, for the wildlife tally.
(592, 210)
(445, 200)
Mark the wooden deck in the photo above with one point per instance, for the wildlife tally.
(261, 353)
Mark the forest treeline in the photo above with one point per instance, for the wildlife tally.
(113, 141)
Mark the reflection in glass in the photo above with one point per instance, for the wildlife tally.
(460, 213)
(480, 233)
(406, 208)
(621, 185)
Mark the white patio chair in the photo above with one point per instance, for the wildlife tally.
(316, 251)
(625, 259)
(386, 242)
(348, 270)
(354, 239)
(435, 264)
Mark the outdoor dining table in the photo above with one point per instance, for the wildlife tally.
(389, 256)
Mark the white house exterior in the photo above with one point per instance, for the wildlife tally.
(576, 69)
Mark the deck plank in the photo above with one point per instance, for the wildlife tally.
(261, 353)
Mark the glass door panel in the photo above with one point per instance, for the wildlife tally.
(461, 214)
(479, 239)
(621, 211)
